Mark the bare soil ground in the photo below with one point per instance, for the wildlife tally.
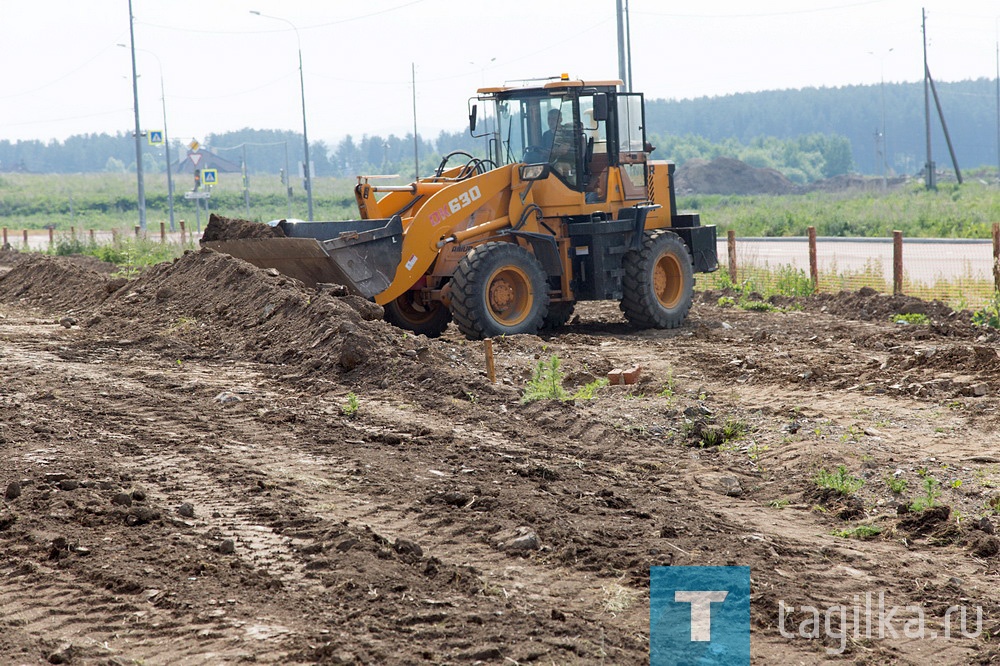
(209, 463)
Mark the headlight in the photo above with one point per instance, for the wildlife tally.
(534, 171)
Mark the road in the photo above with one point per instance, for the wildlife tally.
(926, 260)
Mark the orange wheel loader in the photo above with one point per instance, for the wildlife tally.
(567, 206)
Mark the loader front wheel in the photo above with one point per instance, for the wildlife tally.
(658, 284)
(409, 313)
(499, 289)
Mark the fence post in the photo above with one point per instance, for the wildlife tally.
(25, 239)
(52, 236)
(996, 256)
(93, 238)
(5, 243)
(163, 232)
(897, 263)
(72, 233)
(731, 243)
(183, 233)
(137, 230)
(813, 265)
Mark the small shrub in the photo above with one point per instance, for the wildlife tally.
(841, 481)
(988, 315)
(546, 382)
(930, 497)
(896, 485)
(350, 408)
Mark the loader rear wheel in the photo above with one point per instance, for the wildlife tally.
(658, 284)
(499, 289)
(409, 313)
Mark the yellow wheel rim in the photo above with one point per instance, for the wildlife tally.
(414, 311)
(509, 295)
(668, 281)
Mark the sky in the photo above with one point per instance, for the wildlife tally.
(65, 71)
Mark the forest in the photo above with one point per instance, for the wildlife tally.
(807, 134)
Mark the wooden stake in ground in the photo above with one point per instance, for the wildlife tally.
(813, 265)
(897, 263)
(491, 371)
(731, 244)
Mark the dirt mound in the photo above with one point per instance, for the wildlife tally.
(56, 283)
(725, 175)
(209, 304)
(866, 304)
(226, 228)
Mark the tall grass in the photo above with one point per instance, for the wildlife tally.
(953, 211)
(108, 200)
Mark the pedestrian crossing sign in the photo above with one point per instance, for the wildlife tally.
(155, 137)
(210, 176)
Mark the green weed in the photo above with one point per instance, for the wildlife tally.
(915, 318)
(589, 391)
(841, 481)
(930, 497)
(859, 532)
(350, 408)
(896, 485)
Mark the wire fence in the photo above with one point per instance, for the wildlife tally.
(959, 272)
(964, 273)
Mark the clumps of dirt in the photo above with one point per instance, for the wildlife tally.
(924, 522)
(226, 228)
(726, 175)
(57, 283)
(845, 507)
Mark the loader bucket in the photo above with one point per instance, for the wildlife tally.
(361, 254)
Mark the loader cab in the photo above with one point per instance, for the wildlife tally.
(580, 129)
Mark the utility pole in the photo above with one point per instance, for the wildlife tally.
(138, 130)
(628, 47)
(622, 71)
(416, 150)
(930, 179)
(305, 131)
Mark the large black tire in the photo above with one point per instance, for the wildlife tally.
(412, 315)
(658, 284)
(499, 289)
(559, 314)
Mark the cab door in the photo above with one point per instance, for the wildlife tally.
(631, 142)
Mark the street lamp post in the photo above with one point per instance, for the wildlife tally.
(166, 138)
(884, 145)
(138, 131)
(305, 132)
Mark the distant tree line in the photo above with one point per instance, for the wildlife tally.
(854, 112)
(806, 134)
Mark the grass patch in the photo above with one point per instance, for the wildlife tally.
(859, 532)
(589, 391)
(914, 318)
